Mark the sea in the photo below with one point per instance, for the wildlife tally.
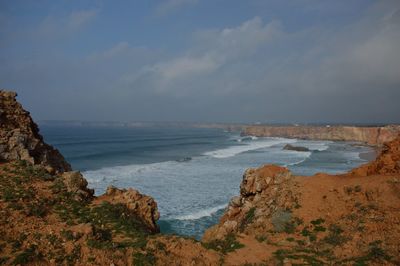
(192, 173)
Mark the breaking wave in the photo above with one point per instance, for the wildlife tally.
(253, 145)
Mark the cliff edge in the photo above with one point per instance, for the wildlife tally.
(374, 136)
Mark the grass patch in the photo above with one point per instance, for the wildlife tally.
(248, 218)
(229, 244)
(335, 236)
(284, 222)
(28, 255)
(140, 259)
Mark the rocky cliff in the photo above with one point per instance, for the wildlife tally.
(370, 135)
(348, 219)
(48, 215)
(20, 138)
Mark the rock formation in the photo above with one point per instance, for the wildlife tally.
(370, 135)
(20, 138)
(141, 205)
(77, 185)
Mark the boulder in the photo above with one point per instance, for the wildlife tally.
(77, 184)
(143, 206)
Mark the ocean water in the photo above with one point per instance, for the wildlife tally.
(191, 172)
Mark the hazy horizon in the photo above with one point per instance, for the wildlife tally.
(277, 62)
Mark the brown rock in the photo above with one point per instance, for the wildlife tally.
(141, 205)
(76, 184)
(387, 162)
(20, 138)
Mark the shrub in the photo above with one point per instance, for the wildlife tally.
(140, 259)
(229, 244)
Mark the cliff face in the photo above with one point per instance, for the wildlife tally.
(388, 161)
(20, 138)
(369, 135)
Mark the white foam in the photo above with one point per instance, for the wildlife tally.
(253, 145)
(307, 155)
(315, 145)
(201, 213)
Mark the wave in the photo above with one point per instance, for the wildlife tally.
(247, 138)
(308, 154)
(254, 145)
(125, 170)
(201, 213)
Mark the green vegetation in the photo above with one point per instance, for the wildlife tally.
(248, 218)
(261, 238)
(229, 244)
(335, 236)
(140, 259)
(20, 188)
(28, 255)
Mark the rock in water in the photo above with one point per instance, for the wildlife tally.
(295, 148)
(20, 138)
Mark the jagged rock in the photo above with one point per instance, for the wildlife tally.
(269, 183)
(77, 184)
(20, 138)
(143, 206)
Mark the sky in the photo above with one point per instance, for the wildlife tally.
(269, 61)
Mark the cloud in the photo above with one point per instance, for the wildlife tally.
(56, 26)
(79, 18)
(254, 70)
(215, 50)
(170, 6)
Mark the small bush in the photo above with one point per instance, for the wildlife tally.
(280, 220)
(261, 238)
(28, 255)
(140, 259)
(335, 236)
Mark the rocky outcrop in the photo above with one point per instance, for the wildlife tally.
(388, 161)
(375, 136)
(263, 191)
(290, 147)
(20, 138)
(142, 206)
(77, 185)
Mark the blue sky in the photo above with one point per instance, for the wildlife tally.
(199, 60)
